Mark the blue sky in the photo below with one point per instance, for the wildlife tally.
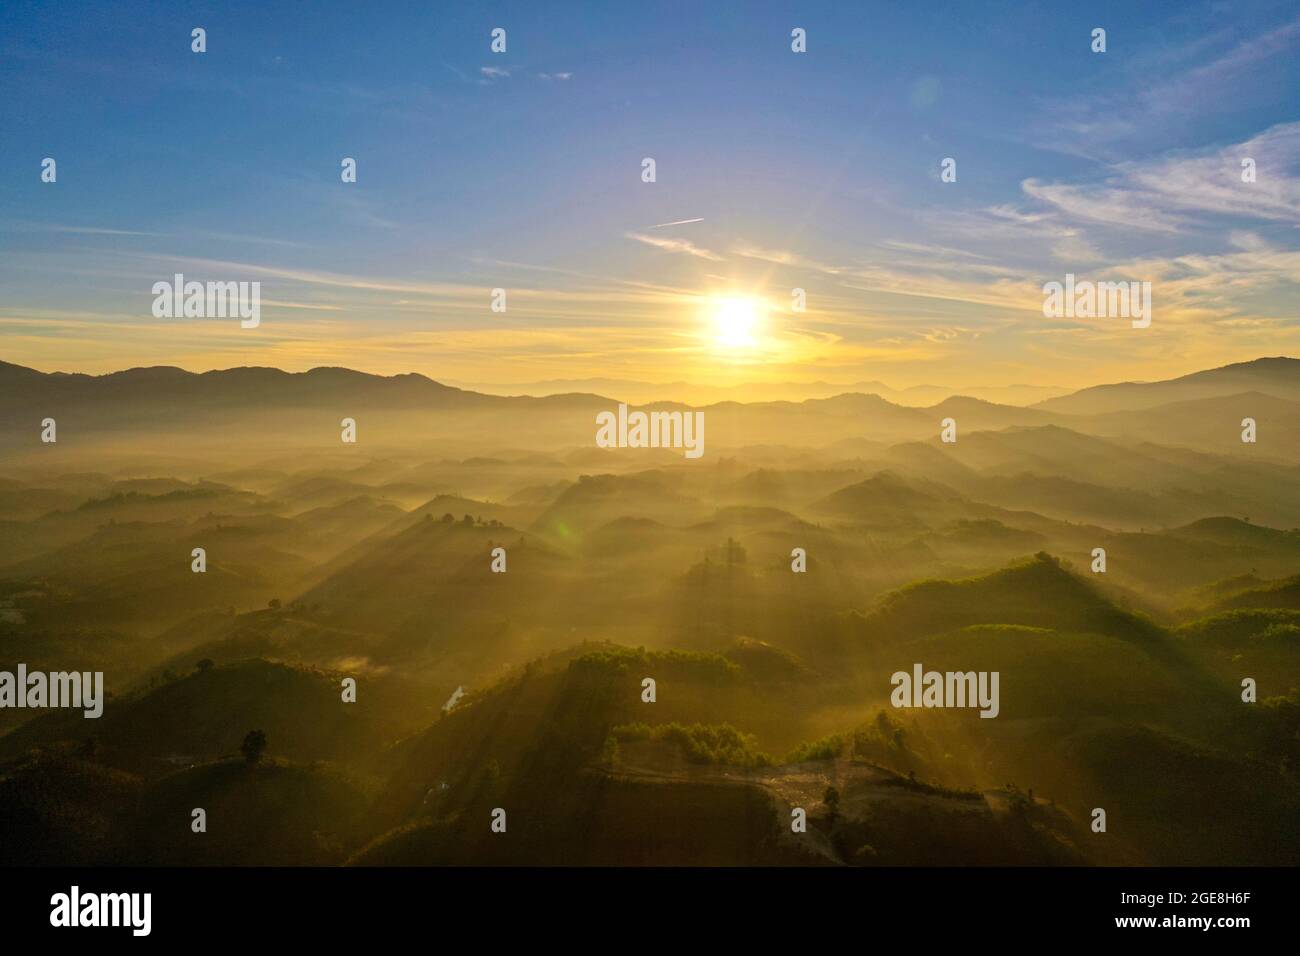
(522, 170)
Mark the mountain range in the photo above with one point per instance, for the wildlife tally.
(1203, 410)
(1119, 556)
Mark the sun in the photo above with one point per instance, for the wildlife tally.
(736, 322)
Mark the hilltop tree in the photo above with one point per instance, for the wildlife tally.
(253, 746)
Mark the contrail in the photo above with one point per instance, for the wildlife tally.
(679, 222)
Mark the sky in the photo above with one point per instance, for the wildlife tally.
(774, 170)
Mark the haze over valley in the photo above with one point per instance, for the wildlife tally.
(373, 560)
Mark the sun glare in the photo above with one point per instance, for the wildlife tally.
(736, 322)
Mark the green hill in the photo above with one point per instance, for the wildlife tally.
(205, 715)
(1038, 592)
(270, 814)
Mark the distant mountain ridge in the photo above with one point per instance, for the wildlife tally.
(166, 381)
(276, 409)
(692, 393)
(1278, 376)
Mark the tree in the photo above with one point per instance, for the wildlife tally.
(274, 604)
(253, 746)
(204, 665)
(448, 518)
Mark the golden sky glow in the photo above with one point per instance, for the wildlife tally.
(818, 172)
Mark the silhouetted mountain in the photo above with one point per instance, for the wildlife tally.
(404, 411)
(1279, 376)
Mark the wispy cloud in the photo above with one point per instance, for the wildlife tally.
(1107, 203)
(1075, 249)
(1211, 182)
(74, 230)
(929, 248)
(683, 246)
(1187, 92)
(1171, 194)
(242, 239)
(1167, 85)
(782, 257)
(253, 240)
(312, 306)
